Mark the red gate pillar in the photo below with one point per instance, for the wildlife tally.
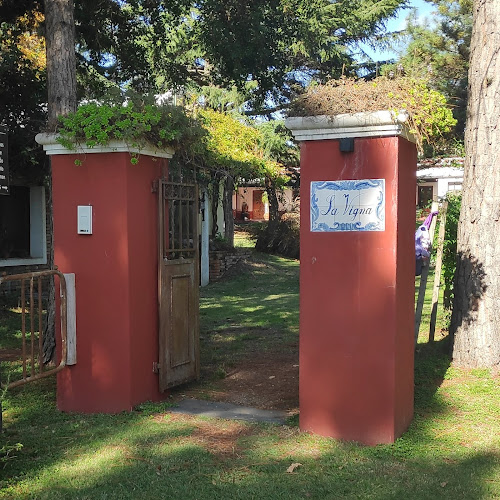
(357, 266)
(116, 269)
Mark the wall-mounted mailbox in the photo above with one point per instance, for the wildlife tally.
(85, 219)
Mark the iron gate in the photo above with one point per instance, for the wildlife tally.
(33, 367)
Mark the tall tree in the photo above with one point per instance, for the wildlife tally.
(61, 59)
(154, 46)
(284, 44)
(278, 145)
(475, 321)
(61, 99)
(439, 50)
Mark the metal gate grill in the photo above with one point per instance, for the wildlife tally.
(180, 231)
(33, 367)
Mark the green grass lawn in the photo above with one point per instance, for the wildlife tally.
(451, 451)
(256, 308)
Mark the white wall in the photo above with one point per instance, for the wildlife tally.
(446, 185)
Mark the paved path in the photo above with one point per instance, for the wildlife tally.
(229, 411)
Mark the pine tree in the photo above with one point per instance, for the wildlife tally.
(439, 50)
(475, 320)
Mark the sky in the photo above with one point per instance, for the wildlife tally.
(424, 9)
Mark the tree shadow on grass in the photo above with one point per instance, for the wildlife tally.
(129, 456)
(167, 464)
(148, 455)
(432, 361)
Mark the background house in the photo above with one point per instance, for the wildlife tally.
(255, 197)
(435, 180)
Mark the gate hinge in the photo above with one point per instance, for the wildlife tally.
(156, 367)
(154, 186)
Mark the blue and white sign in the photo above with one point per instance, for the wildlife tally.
(357, 205)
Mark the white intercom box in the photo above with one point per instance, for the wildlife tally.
(85, 219)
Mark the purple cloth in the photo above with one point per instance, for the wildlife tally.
(423, 241)
(427, 222)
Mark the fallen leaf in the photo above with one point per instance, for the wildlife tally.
(293, 467)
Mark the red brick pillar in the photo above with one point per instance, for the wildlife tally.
(116, 269)
(358, 175)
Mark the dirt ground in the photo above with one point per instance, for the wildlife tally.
(268, 380)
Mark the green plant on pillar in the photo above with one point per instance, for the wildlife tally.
(136, 123)
(429, 117)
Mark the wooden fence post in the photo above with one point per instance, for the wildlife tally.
(423, 278)
(437, 272)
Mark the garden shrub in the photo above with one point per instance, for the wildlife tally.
(450, 246)
(281, 237)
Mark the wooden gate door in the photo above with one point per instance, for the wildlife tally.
(178, 279)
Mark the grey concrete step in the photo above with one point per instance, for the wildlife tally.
(229, 411)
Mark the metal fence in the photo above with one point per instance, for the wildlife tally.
(30, 303)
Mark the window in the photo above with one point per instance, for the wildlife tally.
(23, 239)
(425, 196)
(454, 186)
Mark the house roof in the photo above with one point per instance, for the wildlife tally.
(440, 173)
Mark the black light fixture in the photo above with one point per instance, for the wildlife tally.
(347, 145)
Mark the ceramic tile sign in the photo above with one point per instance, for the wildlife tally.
(357, 205)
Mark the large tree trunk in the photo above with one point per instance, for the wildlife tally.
(215, 191)
(227, 203)
(61, 58)
(274, 214)
(49, 334)
(61, 83)
(475, 321)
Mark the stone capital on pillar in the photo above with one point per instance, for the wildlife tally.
(369, 124)
(357, 274)
(116, 271)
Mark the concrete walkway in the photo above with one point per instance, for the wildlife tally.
(229, 411)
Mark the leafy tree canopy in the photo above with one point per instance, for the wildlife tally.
(22, 91)
(259, 48)
(234, 147)
(155, 45)
(439, 51)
